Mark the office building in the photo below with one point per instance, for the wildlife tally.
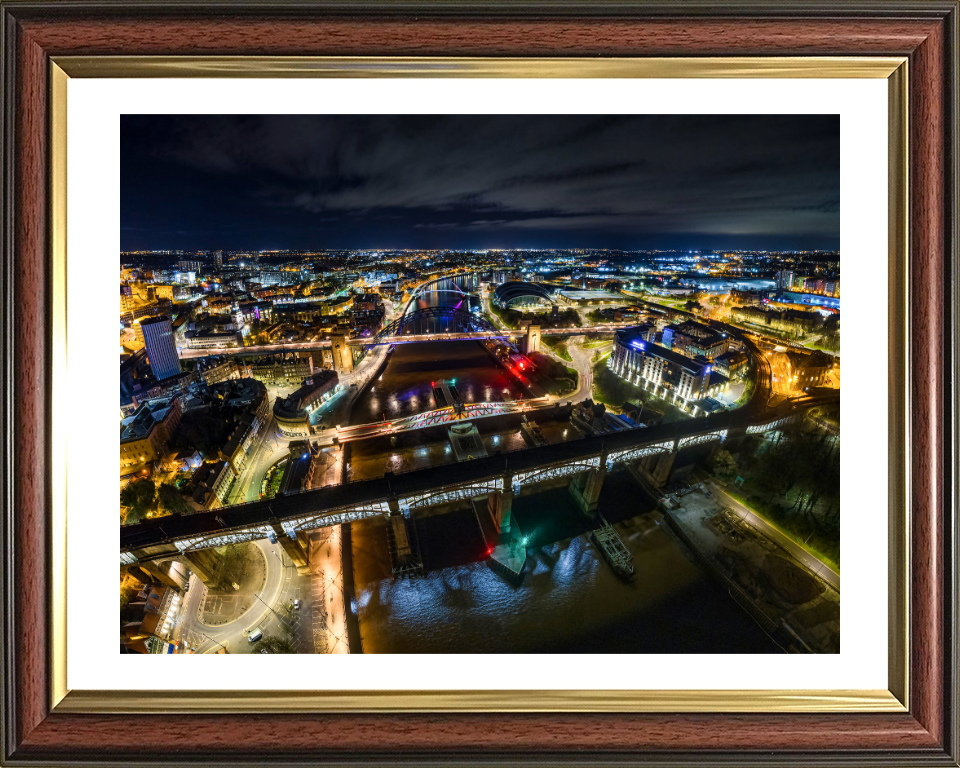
(692, 338)
(668, 374)
(161, 349)
(294, 415)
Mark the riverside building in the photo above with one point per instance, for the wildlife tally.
(668, 374)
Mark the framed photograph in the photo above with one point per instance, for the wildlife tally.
(480, 383)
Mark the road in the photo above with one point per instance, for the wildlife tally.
(583, 362)
(282, 584)
(271, 446)
(319, 624)
(814, 564)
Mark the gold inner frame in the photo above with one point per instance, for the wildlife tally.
(895, 699)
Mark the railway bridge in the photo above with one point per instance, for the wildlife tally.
(499, 478)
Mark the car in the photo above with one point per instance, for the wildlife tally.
(296, 605)
(255, 635)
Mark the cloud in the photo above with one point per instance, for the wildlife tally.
(639, 174)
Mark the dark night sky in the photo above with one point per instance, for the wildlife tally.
(476, 181)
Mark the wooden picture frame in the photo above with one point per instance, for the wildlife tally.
(41, 726)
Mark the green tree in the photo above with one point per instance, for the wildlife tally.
(831, 341)
(171, 500)
(724, 465)
(139, 497)
(275, 644)
(237, 561)
(287, 615)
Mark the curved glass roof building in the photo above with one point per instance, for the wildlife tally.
(519, 294)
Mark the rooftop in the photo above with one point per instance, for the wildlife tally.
(507, 292)
(592, 295)
(320, 382)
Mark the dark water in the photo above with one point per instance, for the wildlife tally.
(570, 600)
(404, 387)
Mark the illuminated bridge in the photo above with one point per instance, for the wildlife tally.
(454, 287)
(489, 333)
(499, 477)
(435, 323)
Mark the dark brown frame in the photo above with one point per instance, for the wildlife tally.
(925, 32)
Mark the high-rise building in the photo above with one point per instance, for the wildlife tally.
(784, 280)
(161, 349)
(218, 259)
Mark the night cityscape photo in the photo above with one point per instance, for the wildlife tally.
(480, 384)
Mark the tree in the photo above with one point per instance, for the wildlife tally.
(275, 644)
(238, 560)
(287, 615)
(171, 500)
(139, 496)
(724, 465)
(831, 341)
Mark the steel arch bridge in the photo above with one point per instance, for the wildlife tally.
(436, 320)
(426, 287)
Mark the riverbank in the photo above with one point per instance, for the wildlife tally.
(800, 610)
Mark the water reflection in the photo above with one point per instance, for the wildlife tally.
(405, 387)
(570, 600)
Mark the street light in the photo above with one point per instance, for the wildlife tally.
(214, 641)
(268, 606)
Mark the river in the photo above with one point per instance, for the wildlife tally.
(570, 600)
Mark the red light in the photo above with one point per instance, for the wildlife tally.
(432, 384)
(489, 550)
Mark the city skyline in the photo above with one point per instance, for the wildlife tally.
(618, 182)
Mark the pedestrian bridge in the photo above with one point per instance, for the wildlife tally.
(454, 288)
(502, 474)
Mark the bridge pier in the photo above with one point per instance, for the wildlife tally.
(588, 497)
(531, 342)
(661, 471)
(154, 570)
(203, 562)
(342, 354)
(500, 507)
(293, 548)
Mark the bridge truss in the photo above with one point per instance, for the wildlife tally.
(758, 428)
(324, 519)
(544, 474)
(685, 442)
(630, 454)
(447, 493)
(447, 489)
(206, 541)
